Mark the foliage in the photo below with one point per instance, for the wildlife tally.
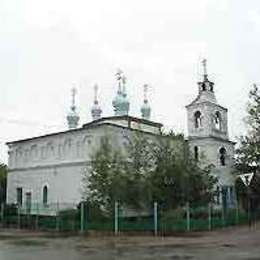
(178, 178)
(248, 153)
(173, 214)
(69, 214)
(148, 169)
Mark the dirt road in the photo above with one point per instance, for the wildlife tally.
(231, 243)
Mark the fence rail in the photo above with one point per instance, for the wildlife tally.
(82, 218)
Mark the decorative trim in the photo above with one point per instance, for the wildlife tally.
(192, 138)
(50, 166)
(206, 102)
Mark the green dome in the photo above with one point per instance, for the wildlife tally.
(72, 118)
(146, 110)
(121, 104)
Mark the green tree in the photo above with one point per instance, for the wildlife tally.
(106, 181)
(248, 153)
(177, 177)
(148, 169)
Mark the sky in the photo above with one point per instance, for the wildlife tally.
(47, 47)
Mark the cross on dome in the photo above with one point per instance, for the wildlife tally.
(73, 95)
(96, 110)
(204, 64)
(145, 108)
(120, 102)
(73, 117)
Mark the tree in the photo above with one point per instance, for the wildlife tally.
(177, 177)
(106, 180)
(3, 180)
(148, 169)
(248, 153)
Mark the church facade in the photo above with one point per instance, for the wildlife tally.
(49, 169)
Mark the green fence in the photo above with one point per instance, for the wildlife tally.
(85, 217)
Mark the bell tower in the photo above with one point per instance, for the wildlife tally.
(208, 136)
(206, 118)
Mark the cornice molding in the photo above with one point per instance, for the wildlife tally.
(50, 166)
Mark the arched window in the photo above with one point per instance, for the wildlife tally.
(196, 153)
(217, 120)
(45, 195)
(197, 118)
(222, 157)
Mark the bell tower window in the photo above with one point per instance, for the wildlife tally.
(217, 121)
(197, 119)
(223, 154)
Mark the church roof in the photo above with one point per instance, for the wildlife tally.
(98, 123)
(125, 117)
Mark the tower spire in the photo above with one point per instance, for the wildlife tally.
(205, 73)
(145, 92)
(96, 110)
(146, 109)
(95, 93)
(206, 87)
(73, 117)
(73, 95)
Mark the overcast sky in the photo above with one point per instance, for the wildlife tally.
(47, 46)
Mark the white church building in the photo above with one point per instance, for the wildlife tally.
(49, 169)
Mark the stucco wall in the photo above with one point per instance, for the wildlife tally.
(59, 161)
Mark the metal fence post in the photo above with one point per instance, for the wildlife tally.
(19, 216)
(155, 214)
(82, 217)
(237, 213)
(2, 213)
(188, 215)
(57, 217)
(116, 217)
(209, 216)
(37, 216)
(223, 215)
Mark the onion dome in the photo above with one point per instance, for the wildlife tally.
(125, 104)
(72, 116)
(96, 110)
(120, 102)
(145, 108)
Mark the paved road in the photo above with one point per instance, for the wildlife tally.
(232, 243)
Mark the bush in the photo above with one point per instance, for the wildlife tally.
(199, 213)
(69, 213)
(10, 210)
(178, 213)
